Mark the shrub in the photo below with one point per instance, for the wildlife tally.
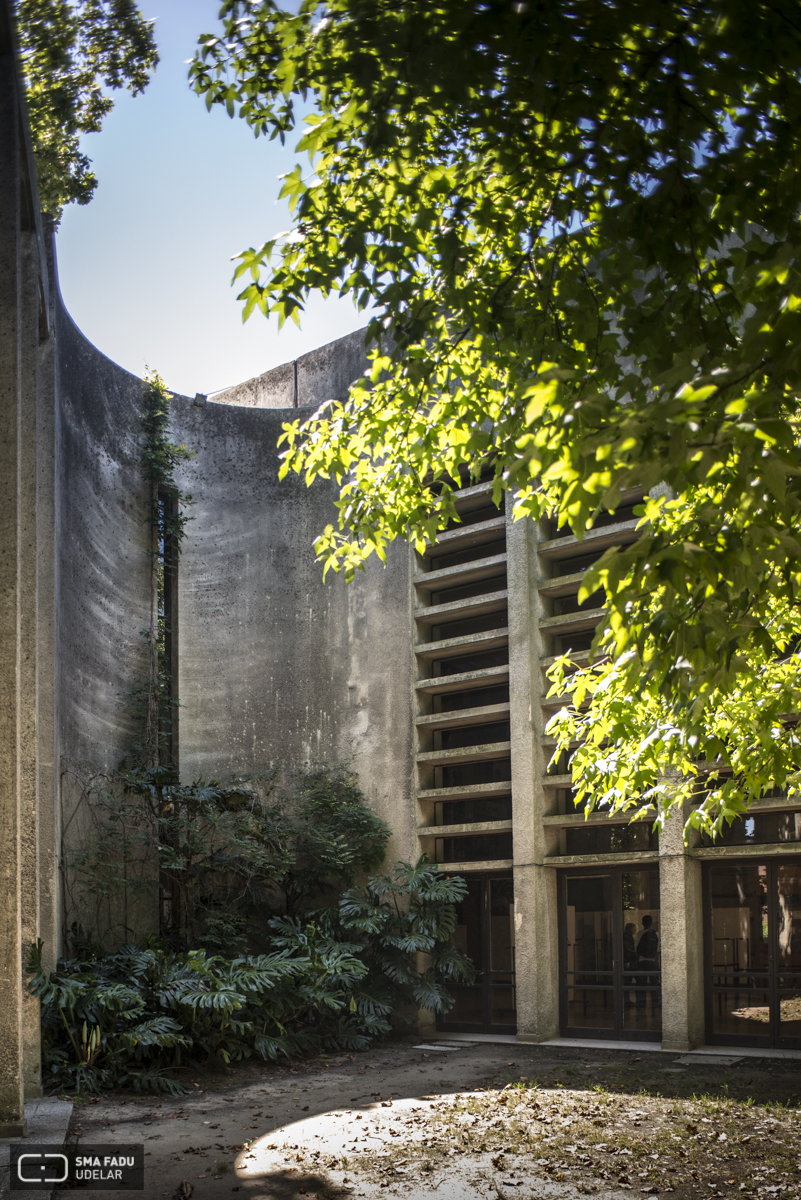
(331, 982)
(224, 857)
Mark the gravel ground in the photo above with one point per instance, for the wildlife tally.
(471, 1119)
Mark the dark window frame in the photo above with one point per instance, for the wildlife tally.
(617, 984)
(771, 977)
(486, 978)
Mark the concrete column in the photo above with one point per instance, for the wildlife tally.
(681, 932)
(28, 657)
(11, 551)
(536, 943)
(47, 786)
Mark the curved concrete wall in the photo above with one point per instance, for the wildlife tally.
(103, 566)
(275, 664)
(324, 374)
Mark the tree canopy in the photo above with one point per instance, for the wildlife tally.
(575, 228)
(73, 52)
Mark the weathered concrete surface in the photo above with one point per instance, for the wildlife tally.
(104, 567)
(47, 776)
(323, 374)
(536, 948)
(101, 607)
(27, 858)
(681, 919)
(12, 713)
(277, 665)
(28, 662)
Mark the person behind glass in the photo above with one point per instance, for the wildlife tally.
(647, 954)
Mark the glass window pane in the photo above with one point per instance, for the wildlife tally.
(790, 1013)
(739, 898)
(590, 1008)
(502, 925)
(467, 934)
(502, 1005)
(641, 935)
(468, 1007)
(611, 942)
(743, 979)
(590, 978)
(642, 1006)
(464, 774)
(741, 1013)
(485, 931)
(589, 923)
(475, 848)
(642, 952)
(606, 839)
(468, 812)
(789, 915)
(756, 829)
(474, 735)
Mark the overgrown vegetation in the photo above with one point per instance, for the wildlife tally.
(265, 946)
(224, 859)
(331, 980)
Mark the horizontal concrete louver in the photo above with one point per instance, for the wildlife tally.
(462, 650)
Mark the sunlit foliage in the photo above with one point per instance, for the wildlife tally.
(575, 227)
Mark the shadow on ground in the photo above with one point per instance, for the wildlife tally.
(476, 1118)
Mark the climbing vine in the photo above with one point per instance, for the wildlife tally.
(122, 818)
(167, 520)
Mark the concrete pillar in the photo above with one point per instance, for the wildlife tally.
(47, 779)
(28, 657)
(11, 599)
(682, 930)
(536, 943)
(27, 592)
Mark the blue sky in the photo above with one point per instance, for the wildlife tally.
(145, 269)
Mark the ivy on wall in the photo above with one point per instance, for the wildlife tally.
(167, 520)
(111, 841)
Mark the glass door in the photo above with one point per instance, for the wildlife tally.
(609, 954)
(485, 931)
(753, 953)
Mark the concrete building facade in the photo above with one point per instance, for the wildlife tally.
(427, 674)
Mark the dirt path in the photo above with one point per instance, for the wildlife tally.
(473, 1119)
